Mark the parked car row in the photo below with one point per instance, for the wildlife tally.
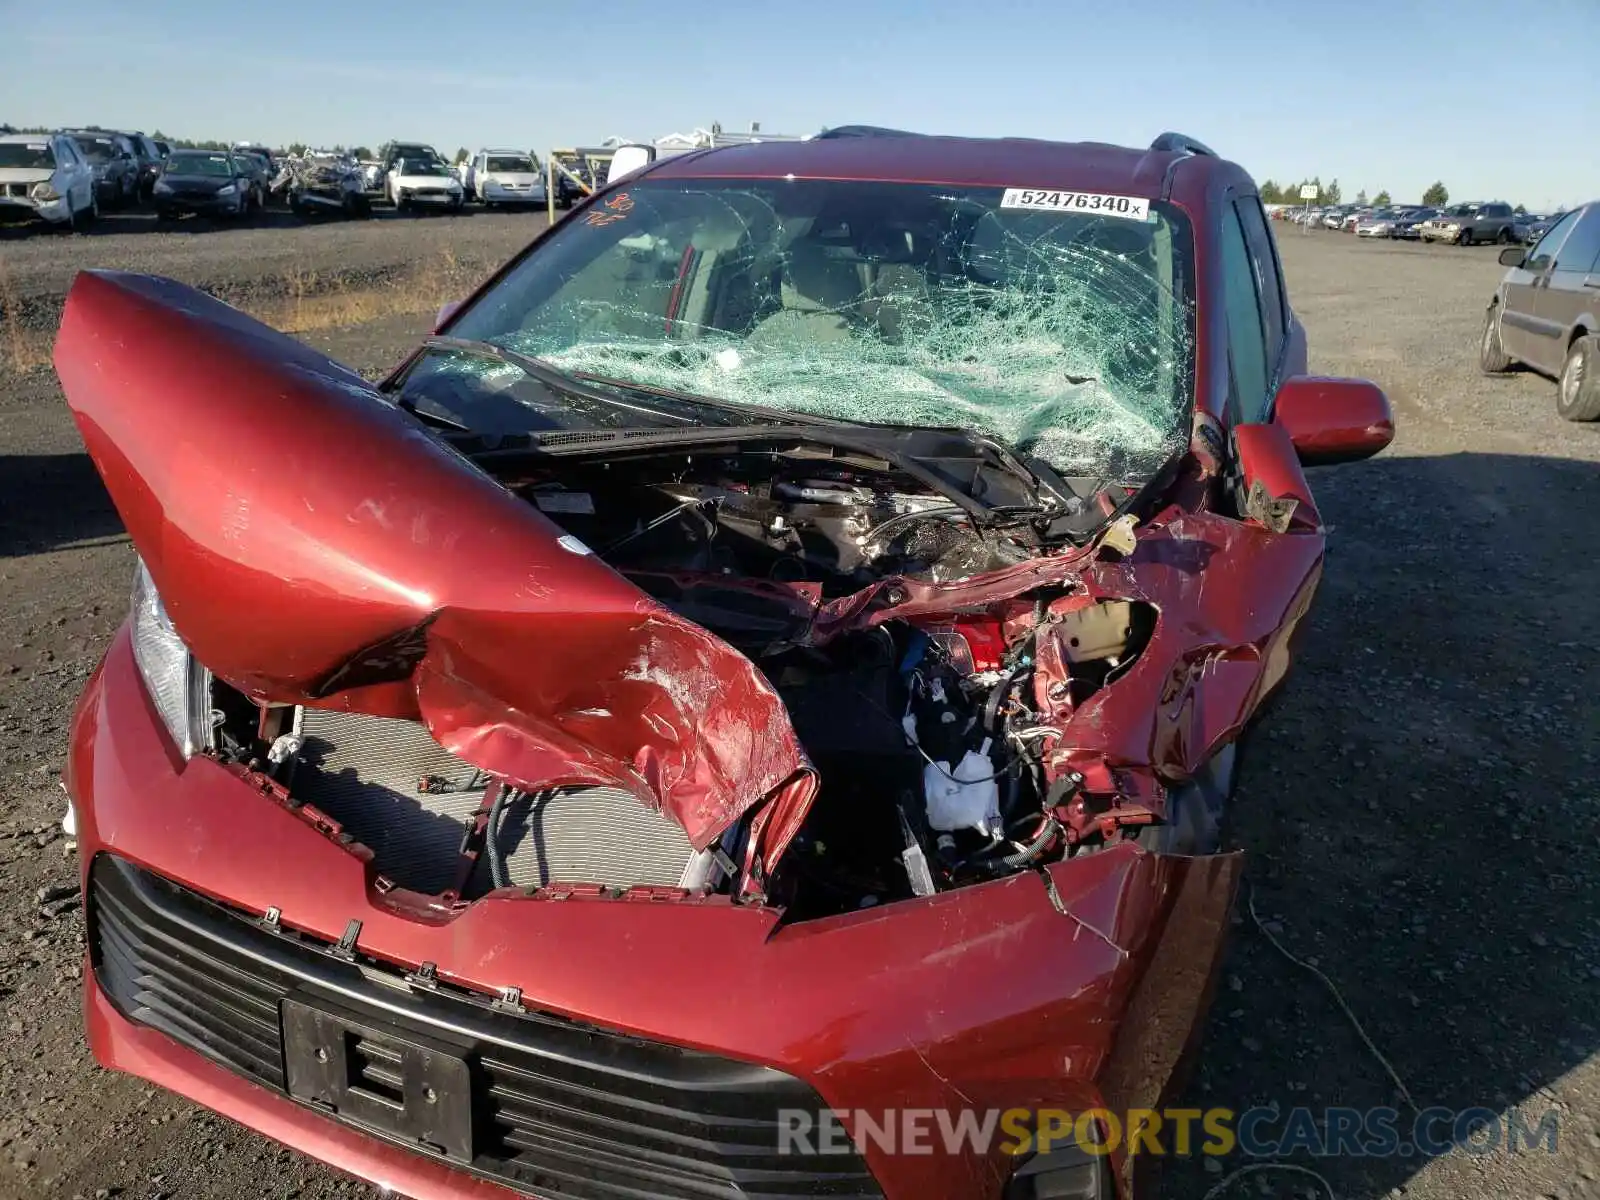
(1458, 224)
(66, 176)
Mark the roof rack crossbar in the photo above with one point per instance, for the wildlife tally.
(1182, 143)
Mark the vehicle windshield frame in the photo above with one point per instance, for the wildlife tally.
(1170, 413)
(176, 162)
(23, 148)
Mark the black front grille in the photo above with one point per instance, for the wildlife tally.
(560, 1109)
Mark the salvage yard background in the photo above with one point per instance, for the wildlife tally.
(1421, 812)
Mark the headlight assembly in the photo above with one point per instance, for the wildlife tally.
(179, 687)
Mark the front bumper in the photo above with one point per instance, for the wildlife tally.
(56, 212)
(998, 996)
(433, 199)
(209, 205)
(496, 194)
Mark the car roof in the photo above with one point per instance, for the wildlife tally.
(957, 161)
(26, 137)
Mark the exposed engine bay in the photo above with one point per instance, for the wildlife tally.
(927, 734)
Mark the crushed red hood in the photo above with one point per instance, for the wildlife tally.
(312, 545)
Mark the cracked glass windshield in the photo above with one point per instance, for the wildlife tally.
(1068, 335)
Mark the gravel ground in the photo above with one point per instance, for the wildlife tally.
(1420, 810)
(269, 257)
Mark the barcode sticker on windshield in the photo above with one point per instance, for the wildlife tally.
(1129, 208)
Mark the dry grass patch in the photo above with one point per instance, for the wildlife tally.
(312, 302)
(20, 349)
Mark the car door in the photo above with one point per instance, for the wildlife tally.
(65, 177)
(1572, 286)
(1523, 332)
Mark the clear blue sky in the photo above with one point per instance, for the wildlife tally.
(1490, 97)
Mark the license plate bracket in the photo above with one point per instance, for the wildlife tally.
(399, 1085)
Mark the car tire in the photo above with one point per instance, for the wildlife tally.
(1492, 356)
(1578, 393)
(1505, 238)
(1465, 239)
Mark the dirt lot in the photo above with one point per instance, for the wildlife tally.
(1421, 815)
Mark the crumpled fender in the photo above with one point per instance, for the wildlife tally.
(313, 545)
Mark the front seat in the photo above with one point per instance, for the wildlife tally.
(819, 293)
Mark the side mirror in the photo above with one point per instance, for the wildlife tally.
(1513, 256)
(1333, 420)
(446, 311)
(629, 159)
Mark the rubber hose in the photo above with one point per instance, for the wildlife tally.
(491, 838)
(1035, 848)
(991, 708)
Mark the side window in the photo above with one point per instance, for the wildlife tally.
(1247, 346)
(1269, 283)
(1551, 242)
(1582, 247)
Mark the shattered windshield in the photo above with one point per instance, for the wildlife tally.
(1065, 333)
(97, 149)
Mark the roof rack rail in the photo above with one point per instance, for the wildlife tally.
(856, 131)
(1183, 144)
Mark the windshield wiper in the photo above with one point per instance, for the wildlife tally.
(604, 390)
(585, 443)
(542, 372)
(736, 408)
(1045, 489)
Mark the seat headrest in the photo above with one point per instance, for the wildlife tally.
(814, 280)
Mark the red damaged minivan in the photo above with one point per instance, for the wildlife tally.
(780, 648)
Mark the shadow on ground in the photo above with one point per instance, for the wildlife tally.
(1419, 817)
(51, 500)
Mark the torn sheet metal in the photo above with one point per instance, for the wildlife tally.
(313, 545)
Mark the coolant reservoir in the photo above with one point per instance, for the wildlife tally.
(965, 796)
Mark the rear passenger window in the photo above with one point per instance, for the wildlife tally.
(1582, 247)
(1247, 346)
(1264, 263)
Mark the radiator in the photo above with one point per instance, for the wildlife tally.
(364, 772)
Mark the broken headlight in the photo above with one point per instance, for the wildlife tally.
(179, 687)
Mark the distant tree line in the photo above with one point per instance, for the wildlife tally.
(1436, 196)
